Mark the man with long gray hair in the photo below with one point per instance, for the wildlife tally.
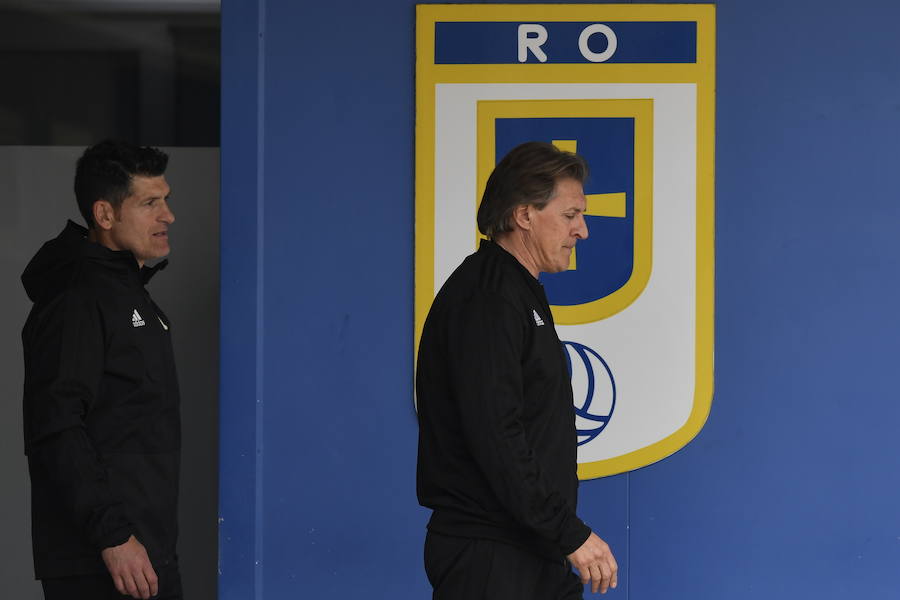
(497, 441)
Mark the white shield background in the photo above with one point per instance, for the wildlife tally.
(650, 345)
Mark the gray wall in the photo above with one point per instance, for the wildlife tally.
(35, 185)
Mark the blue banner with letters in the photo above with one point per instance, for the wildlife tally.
(563, 42)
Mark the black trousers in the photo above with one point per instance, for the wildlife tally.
(100, 586)
(476, 569)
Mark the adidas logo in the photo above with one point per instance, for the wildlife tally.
(537, 318)
(136, 320)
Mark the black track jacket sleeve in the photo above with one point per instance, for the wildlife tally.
(486, 337)
(64, 345)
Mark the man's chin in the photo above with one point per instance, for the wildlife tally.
(156, 256)
(558, 268)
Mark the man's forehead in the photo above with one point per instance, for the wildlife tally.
(149, 186)
(570, 194)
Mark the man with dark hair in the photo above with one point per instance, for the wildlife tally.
(101, 402)
(497, 441)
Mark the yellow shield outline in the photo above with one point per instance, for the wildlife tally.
(701, 74)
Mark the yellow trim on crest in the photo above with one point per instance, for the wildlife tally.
(702, 74)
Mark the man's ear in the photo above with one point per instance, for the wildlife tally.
(522, 216)
(104, 214)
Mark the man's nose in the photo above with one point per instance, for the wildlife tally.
(167, 215)
(581, 232)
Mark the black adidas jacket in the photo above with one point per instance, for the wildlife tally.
(497, 441)
(101, 408)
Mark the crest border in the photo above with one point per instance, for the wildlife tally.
(702, 74)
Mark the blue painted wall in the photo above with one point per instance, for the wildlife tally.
(790, 491)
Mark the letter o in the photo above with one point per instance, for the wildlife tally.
(611, 42)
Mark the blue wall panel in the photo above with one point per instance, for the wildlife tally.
(238, 373)
(790, 491)
(341, 516)
(336, 479)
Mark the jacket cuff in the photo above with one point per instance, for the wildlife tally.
(575, 534)
(116, 537)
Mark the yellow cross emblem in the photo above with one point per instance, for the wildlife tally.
(598, 205)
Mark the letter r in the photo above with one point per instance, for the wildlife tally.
(531, 37)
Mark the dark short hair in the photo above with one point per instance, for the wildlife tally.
(527, 175)
(105, 171)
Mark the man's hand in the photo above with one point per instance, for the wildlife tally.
(131, 570)
(595, 563)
